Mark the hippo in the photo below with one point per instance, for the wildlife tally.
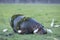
(26, 25)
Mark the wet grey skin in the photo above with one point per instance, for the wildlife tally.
(27, 26)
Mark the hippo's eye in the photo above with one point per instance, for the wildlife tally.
(43, 26)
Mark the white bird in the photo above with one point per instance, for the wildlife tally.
(49, 31)
(5, 30)
(36, 30)
(19, 31)
(55, 38)
(52, 23)
(57, 26)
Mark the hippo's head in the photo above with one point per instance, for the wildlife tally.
(40, 30)
(43, 31)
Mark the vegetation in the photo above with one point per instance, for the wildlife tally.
(43, 13)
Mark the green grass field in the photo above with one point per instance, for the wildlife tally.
(43, 13)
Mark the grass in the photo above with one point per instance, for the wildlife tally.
(43, 13)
